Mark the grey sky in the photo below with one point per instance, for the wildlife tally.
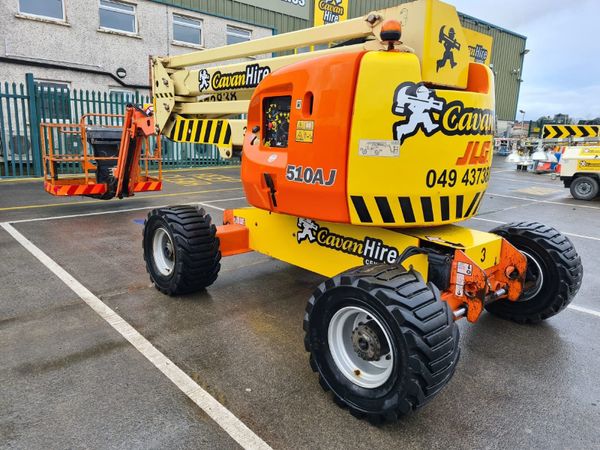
(561, 73)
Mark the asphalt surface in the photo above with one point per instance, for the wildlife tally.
(67, 379)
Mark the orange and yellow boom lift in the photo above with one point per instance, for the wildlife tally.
(358, 161)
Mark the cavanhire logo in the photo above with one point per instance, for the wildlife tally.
(372, 250)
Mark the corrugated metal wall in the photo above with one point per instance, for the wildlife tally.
(507, 57)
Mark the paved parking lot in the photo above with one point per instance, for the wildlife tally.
(69, 379)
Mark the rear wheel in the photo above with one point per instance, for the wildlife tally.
(381, 340)
(554, 272)
(181, 249)
(584, 188)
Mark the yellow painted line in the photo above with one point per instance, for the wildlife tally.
(190, 169)
(89, 202)
(181, 169)
(19, 180)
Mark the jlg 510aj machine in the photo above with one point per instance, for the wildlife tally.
(357, 161)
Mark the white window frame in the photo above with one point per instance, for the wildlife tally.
(200, 27)
(113, 91)
(55, 19)
(239, 30)
(109, 8)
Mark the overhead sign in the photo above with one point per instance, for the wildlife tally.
(565, 131)
(480, 46)
(296, 8)
(330, 11)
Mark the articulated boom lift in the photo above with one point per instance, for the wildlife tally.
(357, 162)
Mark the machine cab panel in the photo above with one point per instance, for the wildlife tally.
(295, 150)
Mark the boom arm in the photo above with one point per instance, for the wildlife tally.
(199, 104)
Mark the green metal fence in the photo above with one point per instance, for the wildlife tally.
(24, 107)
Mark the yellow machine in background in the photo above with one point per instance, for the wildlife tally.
(358, 161)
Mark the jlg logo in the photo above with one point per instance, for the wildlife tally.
(475, 153)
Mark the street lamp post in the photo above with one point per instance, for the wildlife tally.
(522, 119)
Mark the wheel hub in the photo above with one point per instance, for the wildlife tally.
(163, 252)
(534, 278)
(360, 347)
(584, 188)
(366, 342)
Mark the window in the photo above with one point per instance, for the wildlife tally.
(121, 96)
(276, 123)
(45, 8)
(117, 16)
(235, 35)
(186, 29)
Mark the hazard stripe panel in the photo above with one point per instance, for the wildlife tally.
(77, 189)
(565, 131)
(202, 131)
(164, 95)
(92, 189)
(146, 186)
(415, 210)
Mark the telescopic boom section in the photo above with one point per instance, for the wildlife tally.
(198, 105)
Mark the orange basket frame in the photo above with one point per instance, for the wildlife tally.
(87, 184)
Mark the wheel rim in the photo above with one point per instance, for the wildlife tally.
(534, 278)
(163, 252)
(353, 330)
(583, 188)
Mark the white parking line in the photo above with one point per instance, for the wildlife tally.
(226, 200)
(529, 199)
(582, 236)
(115, 211)
(516, 180)
(584, 310)
(221, 415)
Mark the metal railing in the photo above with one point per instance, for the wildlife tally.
(26, 106)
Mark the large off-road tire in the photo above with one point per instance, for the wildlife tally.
(554, 272)
(181, 249)
(584, 188)
(381, 340)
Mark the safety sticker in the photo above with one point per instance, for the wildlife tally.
(459, 289)
(305, 131)
(239, 220)
(381, 148)
(464, 268)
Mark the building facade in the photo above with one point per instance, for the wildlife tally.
(104, 44)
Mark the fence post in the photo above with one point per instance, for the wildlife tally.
(34, 125)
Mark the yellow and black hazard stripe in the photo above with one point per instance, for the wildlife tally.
(202, 131)
(415, 210)
(565, 131)
(164, 95)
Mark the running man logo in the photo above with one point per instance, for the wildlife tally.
(450, 44)
(330, 11)
(422, 109)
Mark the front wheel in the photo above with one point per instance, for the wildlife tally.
(181, 249)
(554, 272)
(381, 340)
